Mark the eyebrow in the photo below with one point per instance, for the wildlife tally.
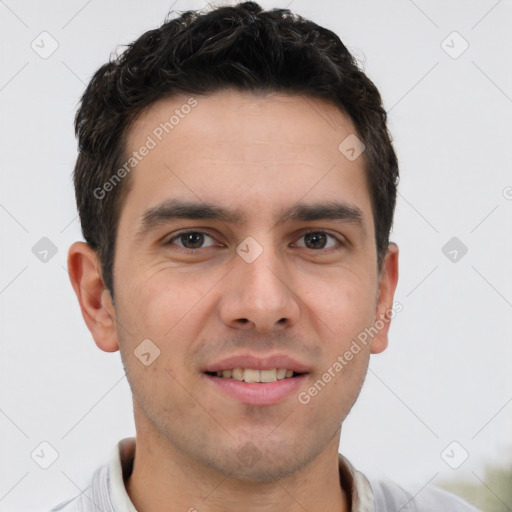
(173, 209)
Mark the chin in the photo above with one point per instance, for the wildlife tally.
(262, 461)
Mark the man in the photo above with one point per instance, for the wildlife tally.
(236, 186)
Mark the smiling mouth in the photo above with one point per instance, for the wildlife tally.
(257, 376)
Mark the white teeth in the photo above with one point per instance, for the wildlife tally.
(268, 375)
(281, 373)
(238, 374)
(251, 375)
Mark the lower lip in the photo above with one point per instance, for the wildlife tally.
(255, 393)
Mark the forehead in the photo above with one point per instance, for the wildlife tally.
(230, 116)
(243, 149)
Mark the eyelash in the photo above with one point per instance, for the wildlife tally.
(170, 241)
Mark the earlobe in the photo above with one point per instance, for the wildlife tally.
(94, 299)
(386, 291)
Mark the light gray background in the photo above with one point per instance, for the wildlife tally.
(446, 374)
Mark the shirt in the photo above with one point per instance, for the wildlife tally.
(107, 491)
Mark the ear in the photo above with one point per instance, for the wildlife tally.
(386, 291)
(94, 298)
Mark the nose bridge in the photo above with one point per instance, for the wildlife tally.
(261, 278)
(258, 293)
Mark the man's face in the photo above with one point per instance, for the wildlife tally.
(286, 272)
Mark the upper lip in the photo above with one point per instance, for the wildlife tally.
(260, 362)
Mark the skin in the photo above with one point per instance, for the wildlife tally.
(258, 155)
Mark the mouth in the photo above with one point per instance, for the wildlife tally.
(257, 379)
(252, 386)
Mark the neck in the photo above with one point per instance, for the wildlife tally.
(163, 478)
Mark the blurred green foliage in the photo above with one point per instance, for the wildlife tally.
(490, 493)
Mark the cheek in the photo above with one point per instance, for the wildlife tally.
(165, 303)
(342, 303)
(164, 310)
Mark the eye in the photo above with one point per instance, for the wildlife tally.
(192, 240)
(319, 240)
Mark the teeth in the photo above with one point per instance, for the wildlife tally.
(238, 374)
(251, 375)
(268, 375)
(281, 373)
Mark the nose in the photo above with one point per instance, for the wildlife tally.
(259, 296)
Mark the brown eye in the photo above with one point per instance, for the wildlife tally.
(315, 240)
(318, 240)
(192, 240)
